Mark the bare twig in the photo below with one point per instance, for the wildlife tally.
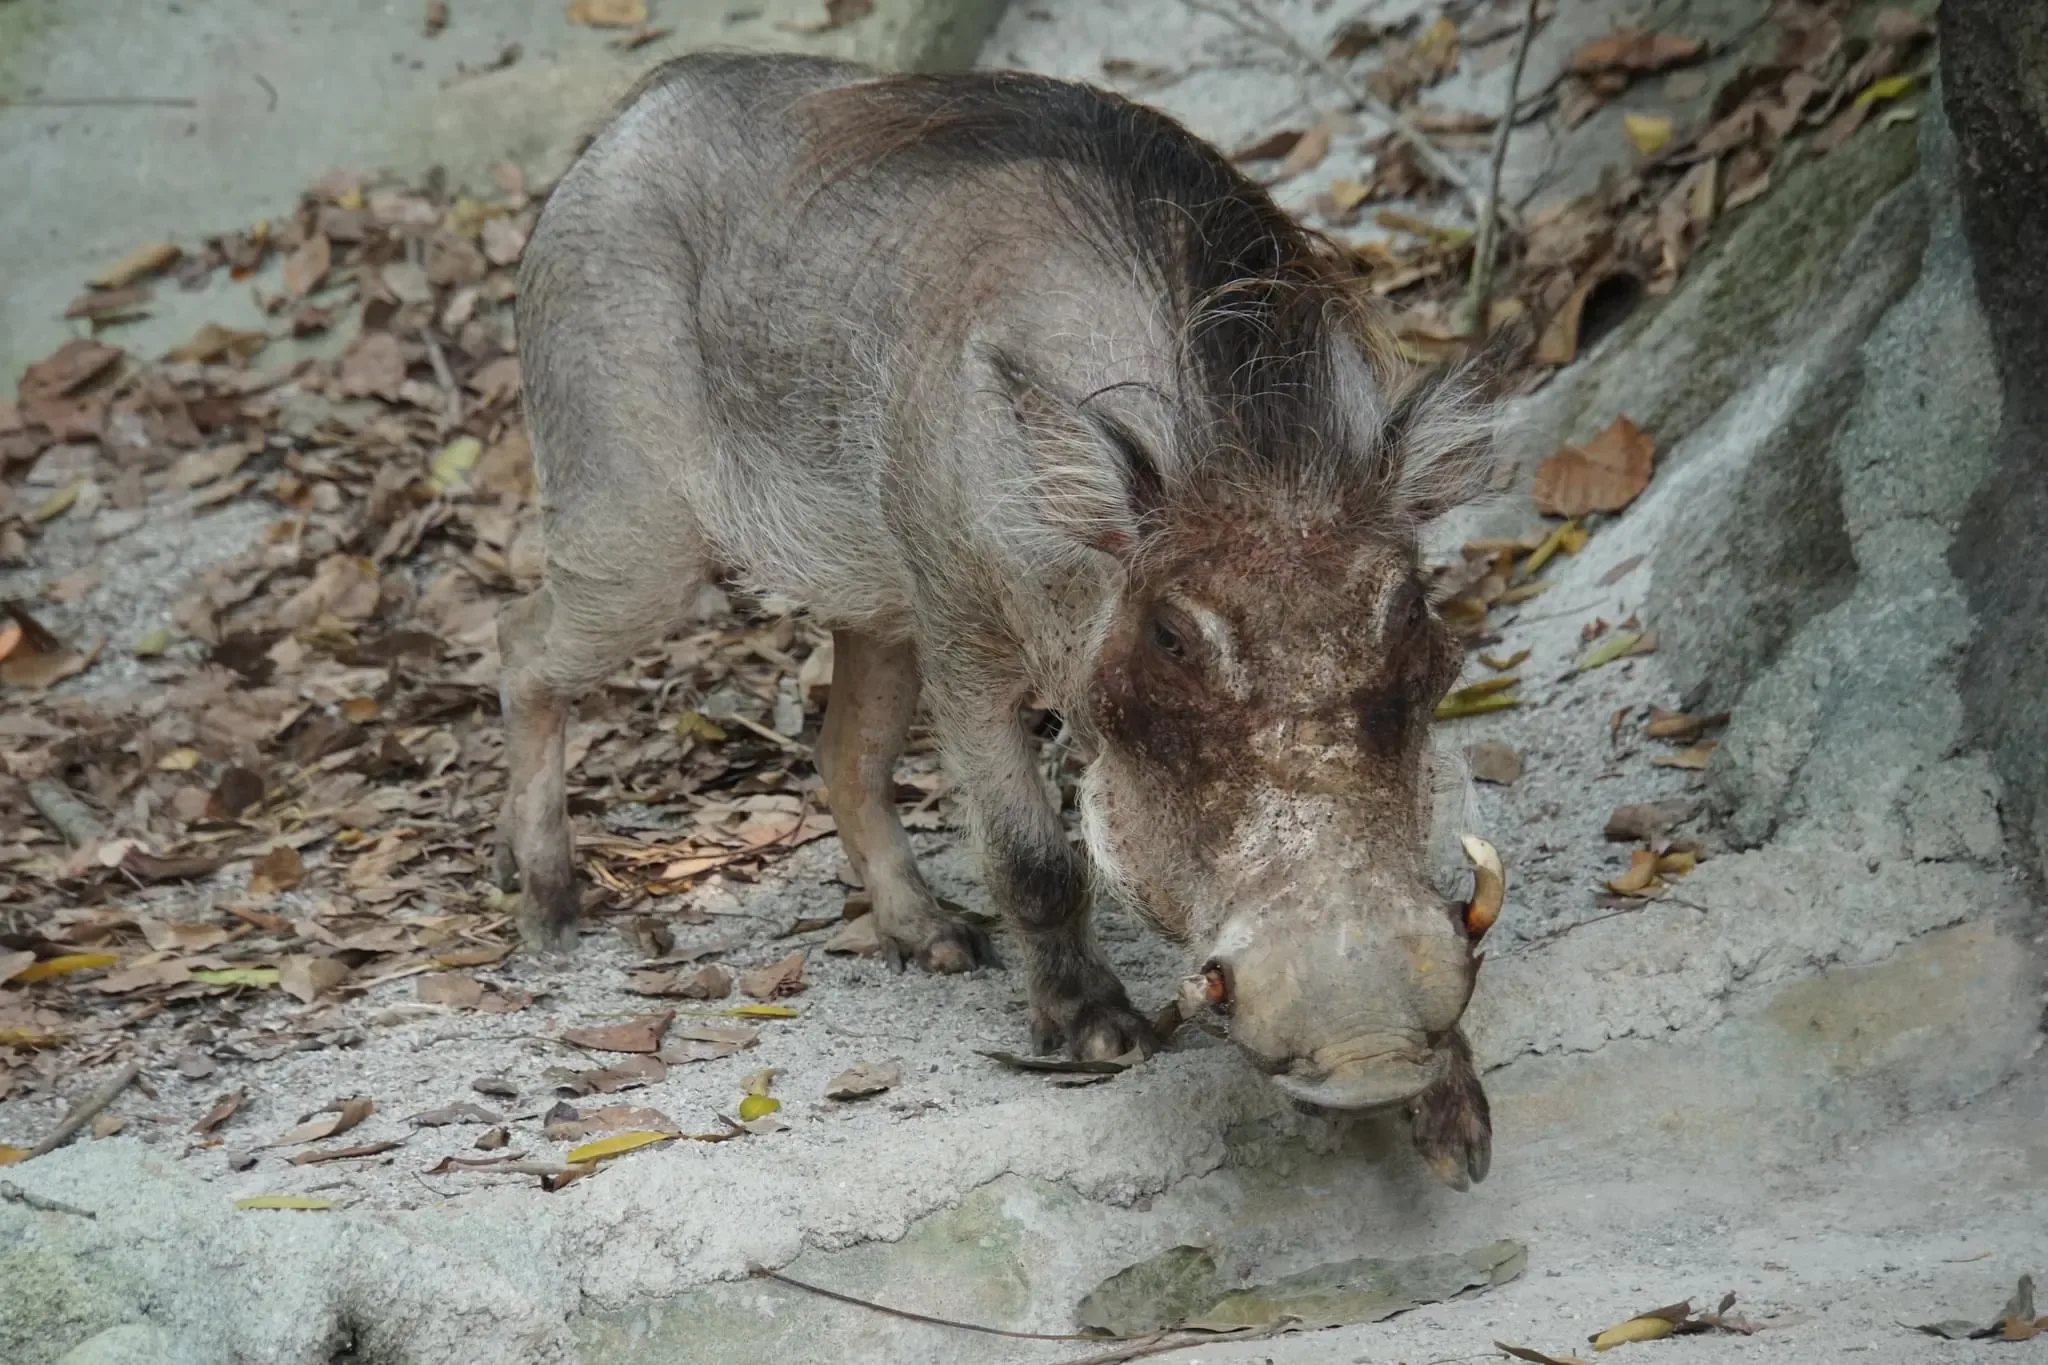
(19, 1195)
(101, 102)
(67, 815)
(1247, 18)
(929, 1321)
(445, 378)
(1181, 1341)
(1472, 313)
(86, 1110)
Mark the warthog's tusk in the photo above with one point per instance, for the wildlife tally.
(1489, 886)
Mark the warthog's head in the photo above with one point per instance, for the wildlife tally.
(1260, 708)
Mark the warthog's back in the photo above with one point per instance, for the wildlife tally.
(758, 310)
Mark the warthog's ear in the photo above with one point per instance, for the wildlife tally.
(1440, 444)
(1094, 482)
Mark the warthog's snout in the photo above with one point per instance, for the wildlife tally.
(1348, 1006)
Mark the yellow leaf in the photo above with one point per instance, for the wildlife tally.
(151, 644)
(1485, 688)
(239, 976)
(58, 502)
(1608, 650)
(1454, 708)
(60, 966)
(1574, 539)
(1540, 556)
(178, 761)
(1348, 194)
(451, 467)
(24, 1037)
(10, 1155)
(1522, 592)
(284, 1201)
(761, 1012)
(144, 260)
(1649, 132)
(1886, 88)
(616, 1144)
(1502, 665)
(1677, 864)
(758, 1106)
(1635, 1329)
(695, 724)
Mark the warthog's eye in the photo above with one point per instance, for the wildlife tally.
(1167, 640)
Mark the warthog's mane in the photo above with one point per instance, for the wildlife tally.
(1267, 310)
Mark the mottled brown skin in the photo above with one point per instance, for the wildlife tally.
(1038, 403)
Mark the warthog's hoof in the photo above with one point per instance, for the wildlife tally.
(940, 943)
(1093, 1031)
(547, 922)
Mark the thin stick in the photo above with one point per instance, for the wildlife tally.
(1472, 313)
(38, 1202)
(439, 360)
(102, 102)
(1256, 24)
(67, 815)
(908, 1316)
(85, 1112)
(1141, 1349)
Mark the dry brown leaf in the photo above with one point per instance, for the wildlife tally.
(344, 1153)
(707, 1042)
(784, 977)
(863, 1079)
(214, 343)
(110, 305)
(571, 1126)
(642, 1033)
(281, 869)
(626, 1075)
(856, 938)
(336, 1119)
(707, 983)
(1308, 151)
(1640, 877)
(223, 1109)
(838, 14)
(1270, 147)
(1500, 764)
(608, 13)
(306, 267)
(1603, 475)
(1637, 52)
(456, 989)
(1692, 759)
(305, 978)
(461, 1112)
(373, 366)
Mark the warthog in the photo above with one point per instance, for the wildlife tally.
(1036, 402)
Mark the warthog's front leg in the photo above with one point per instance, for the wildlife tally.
(1037, 881)
(874, 693)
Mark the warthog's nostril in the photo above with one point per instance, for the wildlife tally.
(1208, 989)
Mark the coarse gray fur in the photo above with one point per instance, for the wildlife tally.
(1035, 402)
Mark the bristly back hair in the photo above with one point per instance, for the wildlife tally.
(1262, 303)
